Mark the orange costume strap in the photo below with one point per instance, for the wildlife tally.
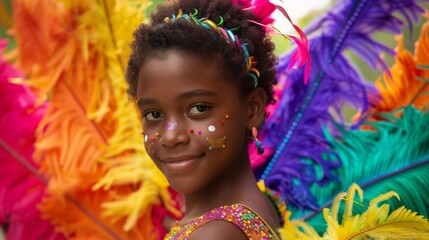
(238, 214)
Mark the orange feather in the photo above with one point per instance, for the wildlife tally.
(406, 86)
(101, 183)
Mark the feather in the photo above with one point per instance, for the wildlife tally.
(88, 143)
(294, 131)
(408, 81)
(18, 122)
(375, 222)
(397, 119)
(368, 160)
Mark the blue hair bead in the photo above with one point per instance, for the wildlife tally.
(226, 34)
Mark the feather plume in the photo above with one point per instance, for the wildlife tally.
(293, 133)
(390, 151)
(18, 122)
(408, 82)
(375, 222)
(88, 144)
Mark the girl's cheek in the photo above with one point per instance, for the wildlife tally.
(151, 139)
(212, 135)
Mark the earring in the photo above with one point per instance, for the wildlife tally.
(258, 144)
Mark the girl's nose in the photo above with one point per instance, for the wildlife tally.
(174, 134)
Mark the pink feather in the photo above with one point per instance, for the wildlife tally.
(263, 9)
(21, 186)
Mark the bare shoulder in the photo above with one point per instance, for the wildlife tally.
(218, 230)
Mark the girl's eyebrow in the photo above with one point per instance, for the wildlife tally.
(190, 94)
(145, 101)
(197, 93)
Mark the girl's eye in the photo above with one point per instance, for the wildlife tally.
(152, 116)
(199, 109)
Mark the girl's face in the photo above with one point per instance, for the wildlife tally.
(194, 120)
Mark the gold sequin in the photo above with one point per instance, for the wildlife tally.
(215, 143)
(240, 215)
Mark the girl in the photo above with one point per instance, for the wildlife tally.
(202, 73)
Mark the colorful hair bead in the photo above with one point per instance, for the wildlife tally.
(226, 34)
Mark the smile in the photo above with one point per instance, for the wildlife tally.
(181, 164)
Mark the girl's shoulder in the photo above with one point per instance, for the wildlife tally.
(235, 221)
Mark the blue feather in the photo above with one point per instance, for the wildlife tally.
(295, 128)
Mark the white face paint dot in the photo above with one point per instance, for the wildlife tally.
(145, 138)
(211, 128)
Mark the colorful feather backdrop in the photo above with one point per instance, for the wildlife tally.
(73, 165)
(97, 180)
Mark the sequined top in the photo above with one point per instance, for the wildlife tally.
(240, 215)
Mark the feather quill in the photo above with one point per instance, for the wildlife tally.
(293, 133)
(88, 144)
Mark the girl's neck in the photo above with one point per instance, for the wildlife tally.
(235, 186)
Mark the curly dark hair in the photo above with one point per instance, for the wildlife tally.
(151, 40)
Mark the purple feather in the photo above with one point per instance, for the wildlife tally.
(294, 130)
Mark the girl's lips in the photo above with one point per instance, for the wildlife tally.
(182, 164)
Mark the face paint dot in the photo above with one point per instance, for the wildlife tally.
(152, 139)
(222, 122)
(142, 133)
(191, 131)
(171, 126)
(199, 132)
(157, 134)
(227, 116)
(211, 128)
(145, 138)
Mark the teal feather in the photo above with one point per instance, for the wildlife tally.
(392, 156)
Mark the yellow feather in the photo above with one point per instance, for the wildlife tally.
(88, 144)
(377, 222)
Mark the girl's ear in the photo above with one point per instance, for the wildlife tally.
(256, 102)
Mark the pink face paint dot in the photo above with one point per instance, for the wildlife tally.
(199, 131)
(171, 126)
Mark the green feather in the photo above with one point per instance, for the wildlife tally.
(393, 156)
